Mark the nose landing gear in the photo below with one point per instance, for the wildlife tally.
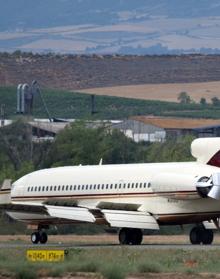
(39, 236)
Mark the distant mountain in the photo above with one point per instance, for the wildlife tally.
(116, 26)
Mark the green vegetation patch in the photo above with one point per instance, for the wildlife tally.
(64, 104)
(117, 262)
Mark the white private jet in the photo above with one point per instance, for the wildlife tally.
(132, 197)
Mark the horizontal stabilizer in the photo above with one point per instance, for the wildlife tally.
(130, 219)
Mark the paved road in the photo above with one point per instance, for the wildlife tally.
(112, 246)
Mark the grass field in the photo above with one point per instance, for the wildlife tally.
(114, 262)
(167, 92)
(66, 104)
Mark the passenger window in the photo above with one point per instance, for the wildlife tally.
(67, 188)
(87, 186)
(119, 186)
(51, 188)
(102, 186)
(140, 185)
(124, 185)
(39, 188)
(55, 188)
(136, 185)
(106, 186)
(90, 187)
(74, 187)
(35, 189)
(94, 186)
(111, 186)
(132, 185)
(63, 188)
(71, 187)
(83, 187)
(78, 187)
(116, 185)
(47, 188)
(144, 185)
(28, 189)
(128, 185)
(32, 188)
(98, 187)
(43, 188)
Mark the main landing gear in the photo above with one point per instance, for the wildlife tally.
(130, 236)
(200, 235)
(39, 236)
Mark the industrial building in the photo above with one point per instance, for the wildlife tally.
(176, 127)
(138, 128)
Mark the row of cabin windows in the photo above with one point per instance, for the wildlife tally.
(87, 187)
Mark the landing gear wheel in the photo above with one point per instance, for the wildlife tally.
(35, 237)
(124, 236)
(43, 238)
(200, 235)
(207, 237)
(136, 236)
(195, 236)
(130, 236)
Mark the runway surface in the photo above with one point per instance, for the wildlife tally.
(112, 246)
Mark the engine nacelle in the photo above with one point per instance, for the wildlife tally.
(175, 186)
(204, 186)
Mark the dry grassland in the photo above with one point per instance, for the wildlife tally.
(164, 92)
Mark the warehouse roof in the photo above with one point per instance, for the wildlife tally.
(178, 123)
(53, 127)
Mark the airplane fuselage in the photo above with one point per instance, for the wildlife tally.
(128, 184)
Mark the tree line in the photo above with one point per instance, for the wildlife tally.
(79, 144)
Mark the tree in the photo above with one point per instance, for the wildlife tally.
(184, 98)
(18, 154)
(215, 101)
(79, 144)
(173, 150)
(203, 101)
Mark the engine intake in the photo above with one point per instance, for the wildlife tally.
(204, 186)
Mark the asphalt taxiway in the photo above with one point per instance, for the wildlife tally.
(112, 246)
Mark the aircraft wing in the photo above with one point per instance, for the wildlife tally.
(71, 213)
(130, 219)
(120, 215)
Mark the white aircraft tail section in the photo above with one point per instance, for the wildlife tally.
(206, 151)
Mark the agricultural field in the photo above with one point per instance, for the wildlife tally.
(65, 104)
(167, 92)
(74, 72)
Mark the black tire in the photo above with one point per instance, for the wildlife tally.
(195, 236)
(207, 237)
(136, 236)
(35, 237)
(124, 236)
(43, 238)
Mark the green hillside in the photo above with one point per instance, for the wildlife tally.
(66, 104)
